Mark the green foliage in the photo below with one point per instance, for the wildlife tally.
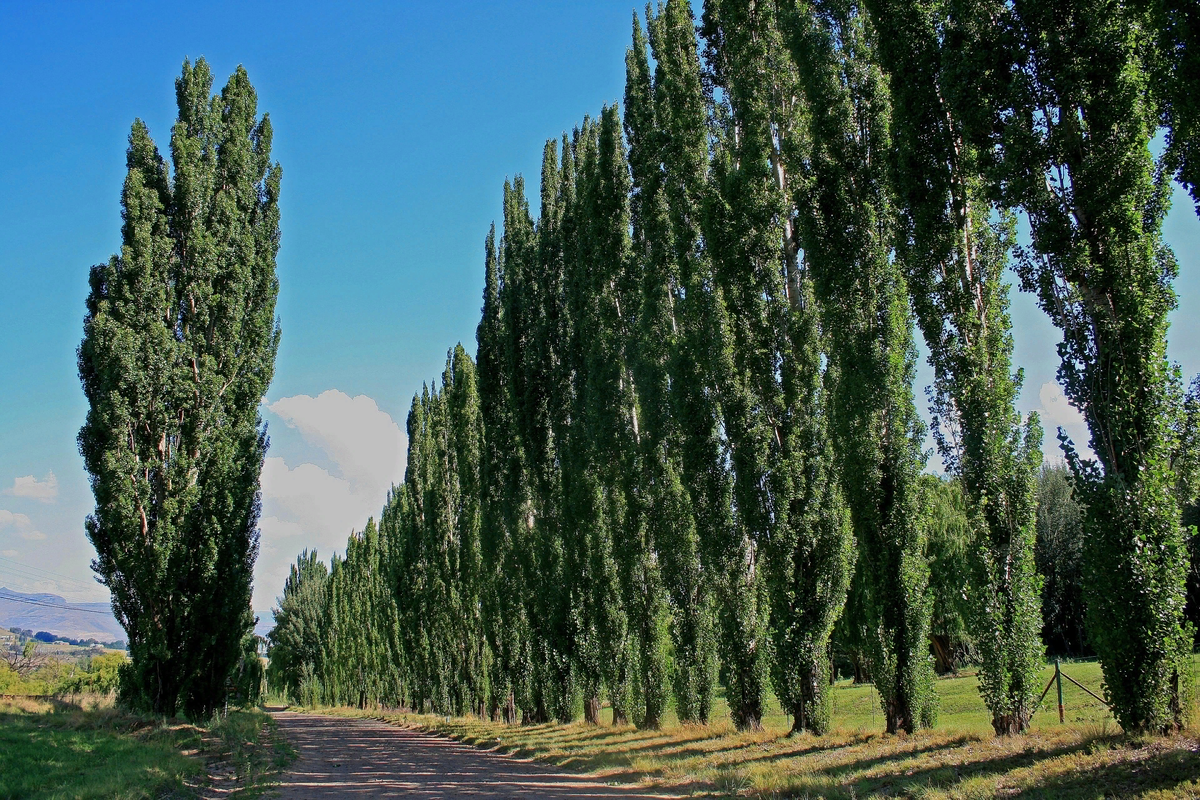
(953, 244)
(100, 675)
(949, 548)
(703, 370)
(1060, 534)
(786, 498)
(249, 678)
(1174, 66)
(691, 427)
(656, 351)
(299, 631)
(505, 625)
(178, 350)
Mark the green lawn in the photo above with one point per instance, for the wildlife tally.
(61, 749)
(1086, 757)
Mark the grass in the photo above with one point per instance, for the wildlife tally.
(1087, 757)
(84, 750)
(250, 751)
(83, 747)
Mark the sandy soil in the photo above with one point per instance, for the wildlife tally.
(357, 758)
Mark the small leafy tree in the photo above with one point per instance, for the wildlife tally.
(1060, 534)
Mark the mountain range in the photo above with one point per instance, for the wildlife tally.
(53, 614)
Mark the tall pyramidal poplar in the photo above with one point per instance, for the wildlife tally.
(953, 244)
(528, 498)
(705, 366)
(655, 350)
(786, 487)
(179, 348)
(846, 226)
(547, 378)
(1072, 122)
(502, 582)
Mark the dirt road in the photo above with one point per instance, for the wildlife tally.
(357, 758)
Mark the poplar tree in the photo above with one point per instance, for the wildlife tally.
(527, 449)
(466, 444)
(786, 484)
(359, 662)
(847, 228)
(1072, 118)
(625, 609)
(178, 350)
(705, 364)
(953, 244)
(503, 592)
(548, 384)
(655, 350)
(295, 640)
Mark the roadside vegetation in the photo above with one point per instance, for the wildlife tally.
(84, 746)
(32, 667)
(1088, 756)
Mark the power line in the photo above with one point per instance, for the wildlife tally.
(62, 607)
(21, 574)
(43, 571)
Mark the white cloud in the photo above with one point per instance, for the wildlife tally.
(45, 490)
(22, 524)
(365, 443)
(9, 553)
(308, 506)
(1057, 412)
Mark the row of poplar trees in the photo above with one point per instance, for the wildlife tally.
(689, 445)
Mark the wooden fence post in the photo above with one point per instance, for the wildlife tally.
(1058, 680)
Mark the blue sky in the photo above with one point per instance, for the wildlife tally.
(396, 125)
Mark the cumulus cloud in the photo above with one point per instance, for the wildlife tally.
(45, 490)
(22, 524)
(364, 442)
(309, 506)
(9, 553)
(1057, 412)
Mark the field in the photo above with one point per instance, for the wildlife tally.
(1086, 757)
(84, 748)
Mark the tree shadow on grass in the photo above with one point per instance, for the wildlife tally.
(1175, 770)
(1164, 769)
(857, 765)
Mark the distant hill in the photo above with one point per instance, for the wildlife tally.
(53, 614)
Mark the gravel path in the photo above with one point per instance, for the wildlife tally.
(358, 758)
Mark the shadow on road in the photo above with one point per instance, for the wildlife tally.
(340, 757)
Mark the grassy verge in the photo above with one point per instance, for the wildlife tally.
(247, 752)
(85, 748)
(1086, 757)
